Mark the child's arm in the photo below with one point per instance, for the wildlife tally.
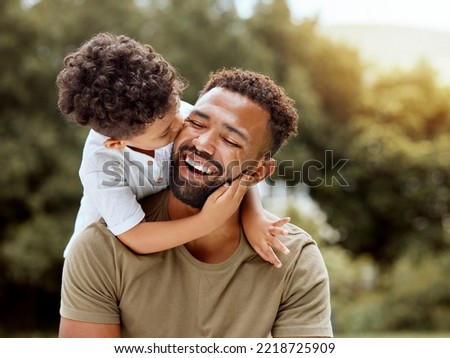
(150, 237)
(260, 231)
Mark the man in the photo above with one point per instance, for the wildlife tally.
(215, 286)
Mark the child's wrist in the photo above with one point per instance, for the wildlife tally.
(204, 222)
(254, 219)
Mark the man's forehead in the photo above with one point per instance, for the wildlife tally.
(221, 96)
(233, 102)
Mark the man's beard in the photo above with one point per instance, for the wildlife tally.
(194, 194)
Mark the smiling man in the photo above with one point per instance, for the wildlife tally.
(215, 286)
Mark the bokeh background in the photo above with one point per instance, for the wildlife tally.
(368, 175)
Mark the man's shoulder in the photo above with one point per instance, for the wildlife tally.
(95, 237)
(299, 242)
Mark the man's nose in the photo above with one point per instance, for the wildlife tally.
(204, 142)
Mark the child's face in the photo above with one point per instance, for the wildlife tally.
(160, 133)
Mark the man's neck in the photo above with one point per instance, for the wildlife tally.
(215, 247)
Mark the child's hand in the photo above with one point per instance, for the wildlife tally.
(263, 238)
(224, 202)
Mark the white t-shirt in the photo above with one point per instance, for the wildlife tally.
(114, 180)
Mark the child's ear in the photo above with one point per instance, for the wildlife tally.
(114, 143)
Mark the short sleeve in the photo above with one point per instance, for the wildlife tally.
(89, 286)
(305, 308)
(114, 199)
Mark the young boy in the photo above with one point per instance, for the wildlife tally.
(130, 98)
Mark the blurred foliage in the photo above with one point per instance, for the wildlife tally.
(199, 37)
(399, 169)
(385, 226)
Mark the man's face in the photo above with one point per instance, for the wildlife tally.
(222, 138)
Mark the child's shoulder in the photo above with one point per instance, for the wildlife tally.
(95, 154)
(94, 143)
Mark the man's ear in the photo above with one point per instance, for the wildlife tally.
(264, 170)
(114, 143)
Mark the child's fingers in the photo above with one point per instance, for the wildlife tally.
(276, 228)
(278, 231)
(272, 258)
(267, 254)
(229, 194)
(242, 186)
(278, 245)
(237, 189)
(218, 193)
(281, 222)
(247, 180)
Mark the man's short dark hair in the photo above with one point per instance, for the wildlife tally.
(267, 94)
(117, 86)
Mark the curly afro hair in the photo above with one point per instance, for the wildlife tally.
(117, 86)
(267, 94)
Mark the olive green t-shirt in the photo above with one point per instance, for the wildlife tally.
(172, 294)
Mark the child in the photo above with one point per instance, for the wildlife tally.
(129, 96)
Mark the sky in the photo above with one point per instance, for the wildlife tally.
(427, 14)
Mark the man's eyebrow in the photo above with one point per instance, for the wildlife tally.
(200, 114)
(231, 129)
(238, 132)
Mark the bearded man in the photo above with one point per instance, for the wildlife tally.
(215, 286)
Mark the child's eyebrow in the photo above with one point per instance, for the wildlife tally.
(228, 127)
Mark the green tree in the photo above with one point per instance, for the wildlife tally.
(28, 160)
(398, 170)
(199, 37)
(40, 189)
(393, 214)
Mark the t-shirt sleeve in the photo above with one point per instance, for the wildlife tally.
(111, 194)
(305, 308)
(89, 286)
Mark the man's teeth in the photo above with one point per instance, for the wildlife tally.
(198, 166)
